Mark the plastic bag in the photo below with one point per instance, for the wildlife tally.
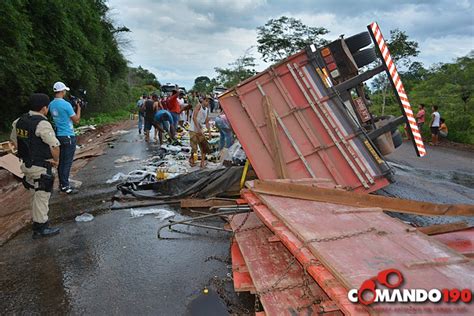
(162, 214)
(86, 217)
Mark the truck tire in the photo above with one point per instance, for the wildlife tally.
(365, 57)
(397, 139)
(358, 41)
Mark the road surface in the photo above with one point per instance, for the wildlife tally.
(115, 264)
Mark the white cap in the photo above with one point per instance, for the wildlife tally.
(59, 86)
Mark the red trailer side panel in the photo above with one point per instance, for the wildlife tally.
(317, 136)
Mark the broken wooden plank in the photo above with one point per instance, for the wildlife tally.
(461, 241)
(443, 228)
(240, 274)
(335, 290)
(355, 247)
(278, 278)
(315, 193)
(11, 163)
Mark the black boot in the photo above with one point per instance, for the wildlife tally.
(43, 230)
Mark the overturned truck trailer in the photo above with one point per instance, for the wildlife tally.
(309, 117)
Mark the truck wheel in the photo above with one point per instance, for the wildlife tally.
(397, 139)
(365, 57)
(358, 41)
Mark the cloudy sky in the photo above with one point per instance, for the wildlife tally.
(180, 40)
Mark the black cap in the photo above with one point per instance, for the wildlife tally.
(38, 101)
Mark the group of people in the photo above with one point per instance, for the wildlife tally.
(169, 113)
(40, 148)
(437, 124)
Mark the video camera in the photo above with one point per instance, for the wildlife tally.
(79, 100)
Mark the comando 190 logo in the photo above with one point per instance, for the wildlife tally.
(392, 279)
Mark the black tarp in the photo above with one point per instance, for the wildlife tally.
(204, 183)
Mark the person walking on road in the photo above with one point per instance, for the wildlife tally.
(38, 149)
(64, 117)
(140, 113)
(149, 107)
(174, 107)
(196, 135)
(434, 125)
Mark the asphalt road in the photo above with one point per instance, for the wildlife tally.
(116, 265)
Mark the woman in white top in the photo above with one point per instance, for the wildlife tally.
(434, 125)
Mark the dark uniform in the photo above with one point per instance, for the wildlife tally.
(34, 136)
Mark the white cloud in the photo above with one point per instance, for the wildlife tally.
(180, 40)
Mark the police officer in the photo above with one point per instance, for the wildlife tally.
(38, 148)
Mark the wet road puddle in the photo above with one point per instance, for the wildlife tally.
(207, 304)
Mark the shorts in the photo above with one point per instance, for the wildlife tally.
(198, 139)
(420, 126)
(434, 130)
(443, 134)
(148, 124)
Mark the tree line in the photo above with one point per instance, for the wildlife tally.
(44, 41)
(448, 85)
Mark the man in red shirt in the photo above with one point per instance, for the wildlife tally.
(174, 108)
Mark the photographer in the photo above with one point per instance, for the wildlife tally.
(64, 117)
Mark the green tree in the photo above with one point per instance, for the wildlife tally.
(402, 50)
(239, 70)
(282, 37)
(451, 87)
(142, 77)
(202, 84)
(58, 40)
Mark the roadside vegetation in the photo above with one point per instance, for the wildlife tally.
(449, 85)
(75, 42)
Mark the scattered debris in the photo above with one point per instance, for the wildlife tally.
(7, 148)
(125, 159)
(86, 217)
(162, 214)
(11, 163)
(120, 132)
(76, 184)
(82, 129)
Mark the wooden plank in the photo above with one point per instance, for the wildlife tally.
(11, 163)
(355, 247)
(323, 277)
(275, 142)
(461, 241)
(240, 275)
(315, 193)
(270, 267)
(443, 228)
(205, 203)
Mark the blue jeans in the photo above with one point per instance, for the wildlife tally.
(226, 138)
(140, 121)
(66, 156)
(175, 119)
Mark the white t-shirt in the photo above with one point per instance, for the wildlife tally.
(201, 118)
(436, 119)
(182, 105)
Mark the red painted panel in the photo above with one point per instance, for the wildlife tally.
(324, 135)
